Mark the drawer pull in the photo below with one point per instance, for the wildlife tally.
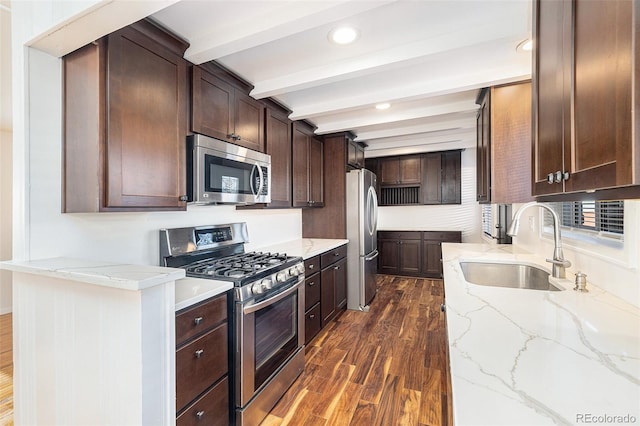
(336, 267)
(336, 254)
(199, 353)
(312, 283)
(197, 320)
(311, 266)
(312, 316)
(200, 414)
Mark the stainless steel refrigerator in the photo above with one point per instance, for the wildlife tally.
(362, 218)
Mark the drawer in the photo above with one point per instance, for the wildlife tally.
(311, 266)
(211, 409)
(196, 320)
(311, 291)
(312, 323)
(443, 236)
(333, 256)
(200, 363)
(399, 235)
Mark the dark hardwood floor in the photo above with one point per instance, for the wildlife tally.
(6, 370)
(385, 367)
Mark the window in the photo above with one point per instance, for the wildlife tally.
(487, 221)
(598, 218)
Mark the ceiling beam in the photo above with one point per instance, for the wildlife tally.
(411, 129)
(292, 18)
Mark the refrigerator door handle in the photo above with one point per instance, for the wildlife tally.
(372, 209)
(371, 256)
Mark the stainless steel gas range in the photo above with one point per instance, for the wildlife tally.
(268, 317)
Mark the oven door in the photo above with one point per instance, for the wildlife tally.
(269, 333)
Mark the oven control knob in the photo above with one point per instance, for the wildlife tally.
(294, 271)
(300, 267)
(266, 284)
(281, 276)
(257, 288)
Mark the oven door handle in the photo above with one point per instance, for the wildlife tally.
(272, 300)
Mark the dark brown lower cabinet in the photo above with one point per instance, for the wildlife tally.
(325, 289)
(413, 253)
(202, 363)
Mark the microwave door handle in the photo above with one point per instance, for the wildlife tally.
(257, 166)
(253, 171)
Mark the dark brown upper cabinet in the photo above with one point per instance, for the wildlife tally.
(503, 144)
(355, 154)
(584, 96)
(223, 110)
(278, 143)
(125, 122)
(308, 167)
(431, 178)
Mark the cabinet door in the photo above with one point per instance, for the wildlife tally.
(389, 171)
(602, 95)
(249, 122)
(340, 272)
(146, 123)
(431, 186)
(388, 258)
(278, 145)
(551, 88)
(212, 102)
(483, 150)
(410, 170)
(451, 179)
(301, 194)
(432, 259)
(316, 172)
(410, 257)
(327, 294)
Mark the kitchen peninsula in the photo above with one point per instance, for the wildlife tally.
(523, 356)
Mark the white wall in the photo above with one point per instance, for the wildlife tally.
(465, 217)
(6, 125)
(615, 271)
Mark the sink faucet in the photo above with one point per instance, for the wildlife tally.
(559, 262)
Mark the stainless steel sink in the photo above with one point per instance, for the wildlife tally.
(513, 275)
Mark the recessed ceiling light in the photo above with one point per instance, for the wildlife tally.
(525, 45)
(385, 105)
(344, 35)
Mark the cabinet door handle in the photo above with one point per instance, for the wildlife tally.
(312, 316)
(443, 307)
(200, 414)
(183, 198)
(197, 320)
(336, 267)
(199, 353)
(550, 178)
(312, 283)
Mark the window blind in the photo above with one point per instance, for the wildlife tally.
(487, 219)
(603, 217)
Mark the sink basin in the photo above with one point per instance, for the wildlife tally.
(513, 275)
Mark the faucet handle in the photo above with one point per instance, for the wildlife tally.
(560, 262)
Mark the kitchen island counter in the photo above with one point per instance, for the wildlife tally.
(538, 357)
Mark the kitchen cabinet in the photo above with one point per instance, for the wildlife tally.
(413, 253)
(202, 363)
(355, 154)
(333, 283)
(430, 178)
(312, 318)
(504, 140)
(432, 251)
(278, 143)
(331, 220)
(405, 170)
(585, 93)
(400, 253)
(308, 167)
(125, 122)
(222, 110)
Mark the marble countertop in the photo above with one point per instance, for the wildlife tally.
(305, 247)
(190, 291)
(107, 274)
(530, 357)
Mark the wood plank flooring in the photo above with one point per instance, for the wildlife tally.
(385, 367)
(6, 370)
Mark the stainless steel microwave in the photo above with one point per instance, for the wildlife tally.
(222, 173)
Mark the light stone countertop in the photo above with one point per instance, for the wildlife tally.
(305, 247)
(106, 274)
(530, 357)
(190, 291)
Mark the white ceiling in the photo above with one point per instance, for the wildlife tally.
(428, 58)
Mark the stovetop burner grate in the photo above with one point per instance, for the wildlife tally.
(238, 267)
